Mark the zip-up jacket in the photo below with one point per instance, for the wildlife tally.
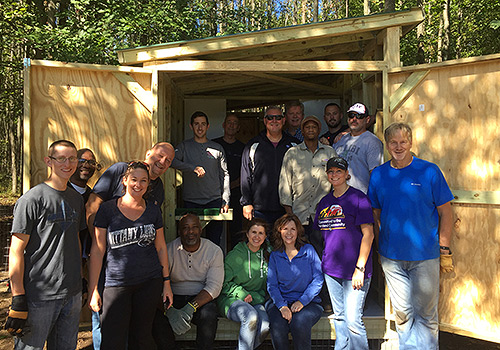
(245, 272)
(260, 171)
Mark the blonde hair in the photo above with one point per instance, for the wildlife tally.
(392, 129)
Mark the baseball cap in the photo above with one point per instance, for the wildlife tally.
(310, 118)
(337, 162)
(358, 108)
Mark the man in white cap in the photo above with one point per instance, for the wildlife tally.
(360, 148)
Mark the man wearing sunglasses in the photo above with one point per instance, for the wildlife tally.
(360, 148)
(261, 166)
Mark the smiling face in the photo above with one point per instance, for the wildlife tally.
(289, 233)
(294, 116)
(159, 159)
(274, 126)
(136, 182)
(84, 171)
(65, 170)
(200, 128)
(256, 235)
(190, 232)
(399, 146)
(337, 177)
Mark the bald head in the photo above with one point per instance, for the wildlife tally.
(159, 158)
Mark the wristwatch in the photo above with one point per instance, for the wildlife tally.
(361, 268)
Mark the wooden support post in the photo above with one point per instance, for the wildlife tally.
(391, 47)
(26, 127)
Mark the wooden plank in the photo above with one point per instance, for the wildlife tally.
(406, 89)
(476, 197)
(391, 47)
(450, 63)
(27, 126)
(90, 67)
(183, 49)
(143, 96)
(472, 333)
(90, 108)
(285, 96)
(312, 67)
(292, 82)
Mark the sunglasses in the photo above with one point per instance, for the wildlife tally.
(274, 116)
(90, 162)
(351, 115)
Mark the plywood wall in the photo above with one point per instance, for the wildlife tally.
(455, 116)
(92, 109)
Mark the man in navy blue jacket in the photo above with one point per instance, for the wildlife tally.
(260, 168)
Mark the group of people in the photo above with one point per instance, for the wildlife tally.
(314, 205)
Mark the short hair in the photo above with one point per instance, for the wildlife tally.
(392, 129)
(198, 114)
(64, 143)
(231, 114)
(81, 151)
(291, 104)
(332, 104)
(184, 218)
(277, 241)
(272, 107)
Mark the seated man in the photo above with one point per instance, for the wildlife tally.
(197, 274)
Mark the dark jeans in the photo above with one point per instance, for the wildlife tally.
(299, 327)
(269, 216)
(205, 319)
(213, 230)
(128, 313)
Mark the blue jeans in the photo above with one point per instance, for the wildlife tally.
(254, 323)
(300, 326)
(96, 330)
(347, 305)
(414, 291)
(54, 321)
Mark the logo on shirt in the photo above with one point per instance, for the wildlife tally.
(212, 153)
(143, 236)
(64, 217)
(334, 211)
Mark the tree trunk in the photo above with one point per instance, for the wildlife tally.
(446, 30)
(389, 5)
(420, 36)
(315, 10)
(366, 7)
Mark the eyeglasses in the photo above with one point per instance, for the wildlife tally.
(90, 162)
(62, 160)
(351, 115)
(274, 116)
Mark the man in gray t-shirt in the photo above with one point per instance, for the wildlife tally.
(362, 149)
(44, 260)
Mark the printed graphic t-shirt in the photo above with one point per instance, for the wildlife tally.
(131, 253)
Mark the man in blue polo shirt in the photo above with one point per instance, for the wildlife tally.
(411, 204)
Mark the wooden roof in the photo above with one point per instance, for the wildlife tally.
(298, 62)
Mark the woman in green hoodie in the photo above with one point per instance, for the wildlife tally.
(244, 289)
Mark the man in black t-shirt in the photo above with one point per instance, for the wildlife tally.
(233, 149)
(333, 119)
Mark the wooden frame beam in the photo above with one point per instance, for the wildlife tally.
(293, 82)
(311, 67)
(143, 96)
(183, 49)
(406, 89)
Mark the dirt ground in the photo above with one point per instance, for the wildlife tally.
(447, 341)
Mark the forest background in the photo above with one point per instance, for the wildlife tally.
(90, 31)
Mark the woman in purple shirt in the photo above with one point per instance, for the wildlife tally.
(345, 219)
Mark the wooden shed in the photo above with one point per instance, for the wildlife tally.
(453, 107)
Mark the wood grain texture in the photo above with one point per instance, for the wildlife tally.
(458, 130)
(92, 109)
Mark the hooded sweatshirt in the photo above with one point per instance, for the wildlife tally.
(245, 272)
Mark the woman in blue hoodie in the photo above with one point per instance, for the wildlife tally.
(244, 289)
(294, 281)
